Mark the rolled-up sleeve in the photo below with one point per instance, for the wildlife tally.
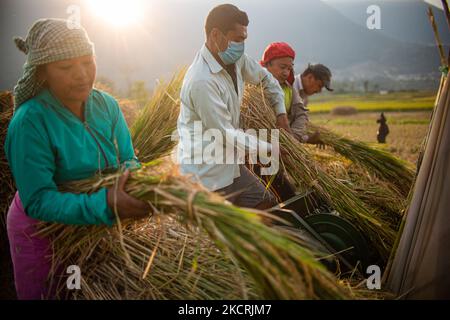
(255, 74)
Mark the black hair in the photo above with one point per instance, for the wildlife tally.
(307, 71)
(319, 71)
(224, 17)
(310, 70)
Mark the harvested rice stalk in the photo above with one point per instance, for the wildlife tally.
(278, 266)
(378, 162)
(130, 110)
(306, 173)
(385, 198)
(152, 131)
(7, 186)
(158, 258)
(376, 193)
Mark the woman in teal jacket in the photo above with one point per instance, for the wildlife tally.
(62, 130)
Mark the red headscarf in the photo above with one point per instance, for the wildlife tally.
(278, 50)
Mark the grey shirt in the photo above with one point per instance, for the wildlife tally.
(298, 115)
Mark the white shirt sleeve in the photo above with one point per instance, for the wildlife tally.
(254, 73)
(207, 102)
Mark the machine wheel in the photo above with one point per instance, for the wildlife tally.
(342, 236)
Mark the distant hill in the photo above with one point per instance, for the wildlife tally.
(400, 55)
(403, 50)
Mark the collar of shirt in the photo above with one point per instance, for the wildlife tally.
(48, 98)
(299, 95)
(286, 84)
(215, 67)
(213, 64)
(300, 86)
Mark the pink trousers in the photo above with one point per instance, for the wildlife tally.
(31, 255)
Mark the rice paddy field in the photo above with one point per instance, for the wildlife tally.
(408, 116)
(391, 101)
(407, 129)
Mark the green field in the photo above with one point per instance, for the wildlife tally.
(407, 130)
(395, 101)
(408, 116)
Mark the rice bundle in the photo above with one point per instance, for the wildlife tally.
(7, 186)
(130, 110)
(160, 115)
(275, 265)
(384, 197)
(278, 267)
(161, 259)
(156, 258)
(380, 163)
(152, 131)
(307, 174)
(166, 107)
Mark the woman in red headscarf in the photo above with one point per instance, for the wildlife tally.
(278, 59)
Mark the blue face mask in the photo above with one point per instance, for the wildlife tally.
(233, 53)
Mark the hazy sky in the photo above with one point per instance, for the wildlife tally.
(170, 32)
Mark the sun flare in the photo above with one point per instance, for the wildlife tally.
(118, 12)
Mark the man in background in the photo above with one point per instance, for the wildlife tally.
(279, 59)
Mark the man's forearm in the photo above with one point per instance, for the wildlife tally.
(283, 122)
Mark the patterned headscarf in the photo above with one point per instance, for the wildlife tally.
(48, 40)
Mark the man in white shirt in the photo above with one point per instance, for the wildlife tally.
(211, 97)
